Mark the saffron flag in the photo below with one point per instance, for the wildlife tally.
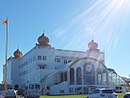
(5, 22)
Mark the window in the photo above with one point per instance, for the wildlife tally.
(42, 66)
(78, 76)
(99, 76)
(107, 91)
(69, 61)
(104, 78)
(57, 59)
(31, 86)
(62, 77)
(65, 76)
(96, 91)
(65, 62)
(61, 91)
(71, 90)
(39, 57)
(37, 86)
(44, 57)
(72, 76)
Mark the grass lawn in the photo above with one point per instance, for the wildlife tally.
(74, 96)
(66, 96)
(120, 95)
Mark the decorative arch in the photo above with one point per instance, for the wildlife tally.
(89, 76)
(72, 76)
(87, 58)
(78, 76)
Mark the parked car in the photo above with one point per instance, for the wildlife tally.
(1, 96)
(102, 93)
(126, 96)
(8, 94)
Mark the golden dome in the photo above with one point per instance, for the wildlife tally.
(92, 45)
(43, 40)
(18, 54)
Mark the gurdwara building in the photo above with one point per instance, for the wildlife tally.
(58, 71)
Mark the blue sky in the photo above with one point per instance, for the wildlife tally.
(69, 24)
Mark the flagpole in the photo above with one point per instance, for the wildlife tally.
(6, 54)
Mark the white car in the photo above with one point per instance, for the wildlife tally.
(102, 93)
(1, 96)
(7, 94)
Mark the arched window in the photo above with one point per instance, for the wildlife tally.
(78, 76)
(99, 76)
(65, 76)
(104, 76)
(62, 77)
(72, 76)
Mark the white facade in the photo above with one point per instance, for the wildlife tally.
(59, 71)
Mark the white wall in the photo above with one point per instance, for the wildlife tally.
(57, 88)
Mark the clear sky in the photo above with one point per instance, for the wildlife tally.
(69, 24)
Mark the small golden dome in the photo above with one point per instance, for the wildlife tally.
(92, 45)
(18, 54)
(43, 40)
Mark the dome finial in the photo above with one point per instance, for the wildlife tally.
(93, 45)
(43, 40)
(18, 54)
(43, 32)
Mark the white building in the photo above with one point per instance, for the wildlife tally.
(61, 71)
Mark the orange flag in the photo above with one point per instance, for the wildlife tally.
(5, 22)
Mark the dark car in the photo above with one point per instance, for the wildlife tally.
(126, 96)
